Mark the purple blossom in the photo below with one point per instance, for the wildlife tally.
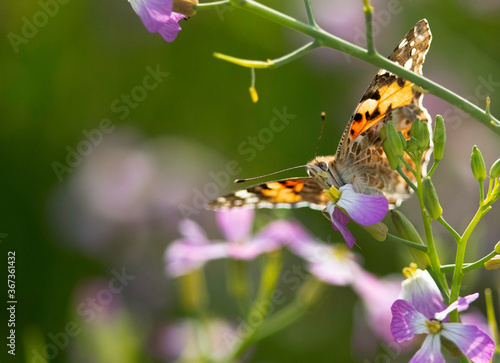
(158, 17)
(364, 209)
(472, 341)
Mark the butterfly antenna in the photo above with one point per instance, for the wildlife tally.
(323, 115)
(264, 176)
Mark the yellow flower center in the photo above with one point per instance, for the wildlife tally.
(411, 271)
(333, 194)
(433, 326)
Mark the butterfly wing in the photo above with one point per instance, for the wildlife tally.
(285, 193)
(387, 98)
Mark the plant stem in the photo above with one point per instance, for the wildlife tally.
(433, 168)
(431, 247)
(370, 44)
(405, 177)
(270, 63)
(310, 15)
(471, 266)
(449, 228)
(329, 40)
(406, 242)
(212, 5)
(458, 271)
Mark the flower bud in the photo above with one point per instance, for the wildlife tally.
(497, 247)
(403, 140)
(439, 138)
(495, 169)
(431, 200)
(378, 231)
(407, 231)
(423, 136)
(493, 263)
(394, 140)
(477, 164)
(412, 145)
(415, 127)
(184, 7)
(393, 160)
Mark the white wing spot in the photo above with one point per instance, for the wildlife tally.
(412, 43)
(403, 43)
(413, 51)
(408, 64)
(238, 202)
(243, 194)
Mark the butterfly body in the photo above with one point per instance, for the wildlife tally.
(359, 159)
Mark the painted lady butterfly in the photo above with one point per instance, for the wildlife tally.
(360, 159)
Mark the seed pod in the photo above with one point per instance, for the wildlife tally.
(394, 140)
(439, 138)
(495, 169)
(431, 200)
(407, 231)
(477, 164)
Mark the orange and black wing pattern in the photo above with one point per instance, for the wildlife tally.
(286, 193)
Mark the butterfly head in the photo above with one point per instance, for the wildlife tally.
(322, 168)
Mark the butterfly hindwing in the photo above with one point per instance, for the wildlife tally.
(285, 193)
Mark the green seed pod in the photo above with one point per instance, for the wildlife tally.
(431, 200)
(407, 231)
(495, 169)
(412, 145)
(477, 164)
(394, 161)
(394, 140)
(415, 127)
(423, 136)
(403, 140)
(497, 247)
(439, 138)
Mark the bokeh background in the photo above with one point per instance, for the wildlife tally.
(75, 221)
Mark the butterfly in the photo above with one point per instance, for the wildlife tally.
(359, 159)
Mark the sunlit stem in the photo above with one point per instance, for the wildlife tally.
(270, 63)
(471, 266)
(370, 44)
(212, 5)
(449, 228)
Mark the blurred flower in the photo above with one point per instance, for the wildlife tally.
(194, 249)
(192, 340)
(420, 290)
(158, 17)
(472, 341)
(363, 209)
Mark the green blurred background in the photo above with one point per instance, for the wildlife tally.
(63, 81)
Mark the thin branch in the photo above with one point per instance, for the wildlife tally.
(310, 15)
(370, 45)
(212, 5)
(417, 246)
(449, 228)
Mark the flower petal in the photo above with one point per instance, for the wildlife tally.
(333, 264)
(170, 28)
(153, 13)
(472, 341)
(461, 304)
(406, 321)
(339, 221)
(236, 223)
(192, 232)
(363, 209)
(430, 352)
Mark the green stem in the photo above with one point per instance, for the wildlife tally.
(310, 15)
(433, 168)
(471, 266)
(329, 40)
(260, 307)
(370, 44)
(212, 5)
(481, 191)
(449, 228)
(309, 293)
(270, 63)
(458, 271)
(405, 177)
(417, 246)
(407, 165)
(431, 247)
(492, 321)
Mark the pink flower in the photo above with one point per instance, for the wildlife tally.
(345, 204)
(158, 17)
(472, 341)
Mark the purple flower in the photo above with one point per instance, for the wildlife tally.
(472, 341)
(191, 251)
(236, 224)
(420, 290)
(158, 17)
(345, 204)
